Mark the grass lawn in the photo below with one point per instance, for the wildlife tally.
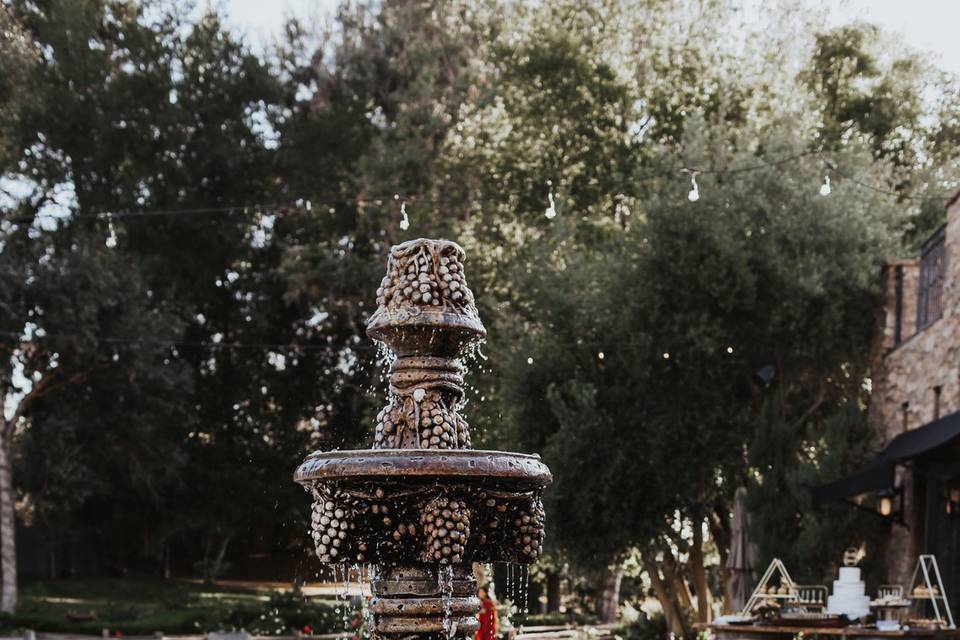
(141, 607)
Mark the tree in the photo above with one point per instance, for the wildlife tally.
(638, 389)
(130, 113)
(16, 60)
(623, 270)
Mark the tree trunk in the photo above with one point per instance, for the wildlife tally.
(610, 598)
(297, 582)
(671, 611)
(8, 544)
(553, 592)
(699, 574)
(217, 563)
(166, 561)
(51, 560)
(674, 578)
(720, 530)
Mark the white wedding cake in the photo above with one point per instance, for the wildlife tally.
(848, 597)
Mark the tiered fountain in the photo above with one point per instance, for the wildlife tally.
(421, 506)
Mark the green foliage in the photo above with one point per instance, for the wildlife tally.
(684, 306)
(471, 112)
(789, 462)
(647, 628)
(16, 61)
(144, 607)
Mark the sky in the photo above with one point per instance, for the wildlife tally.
(927, 25)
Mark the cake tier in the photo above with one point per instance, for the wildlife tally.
(853, 590)
(850, 606)
(849, 574)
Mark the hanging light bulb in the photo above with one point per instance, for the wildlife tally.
(111, 241)
(694, 194)
(551, 211)
(404, 218)
(825, 187)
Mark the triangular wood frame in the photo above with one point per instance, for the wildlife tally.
(760, 593)
(928, 569)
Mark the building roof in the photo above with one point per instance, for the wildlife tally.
(878, 475)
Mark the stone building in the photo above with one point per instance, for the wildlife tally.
(915, 409)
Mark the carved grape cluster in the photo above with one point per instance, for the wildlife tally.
(511, 528)
(439, 427)
(528, 530)
(453, 286)
(390, 423)
(463, 433)
(332, 517)
(375, 523)
(446, 525)
(424, 279)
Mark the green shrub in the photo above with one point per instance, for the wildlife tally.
(142, 607)
(646, 628)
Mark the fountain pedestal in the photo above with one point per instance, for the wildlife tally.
(421, 505)
(406, 601)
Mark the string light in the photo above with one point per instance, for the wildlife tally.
(551, 211)
(404, 218)
(729, 349)
(111, 241)
(694, 194)
(216, 342)
(825, 187)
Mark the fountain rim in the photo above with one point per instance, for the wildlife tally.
(390, 319)
(442, 464)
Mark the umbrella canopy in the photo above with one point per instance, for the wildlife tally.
(742, 559)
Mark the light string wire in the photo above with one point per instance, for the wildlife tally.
(203, 344)
(306, 204)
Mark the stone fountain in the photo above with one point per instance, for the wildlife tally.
(421, 506)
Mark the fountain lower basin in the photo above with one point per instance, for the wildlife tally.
(499, 469)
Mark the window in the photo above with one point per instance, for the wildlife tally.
(933, 259)
(936, 402)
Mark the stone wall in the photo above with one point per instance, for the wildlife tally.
(906, 378)
(909, 373)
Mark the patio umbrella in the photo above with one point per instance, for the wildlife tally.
(743, 554)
